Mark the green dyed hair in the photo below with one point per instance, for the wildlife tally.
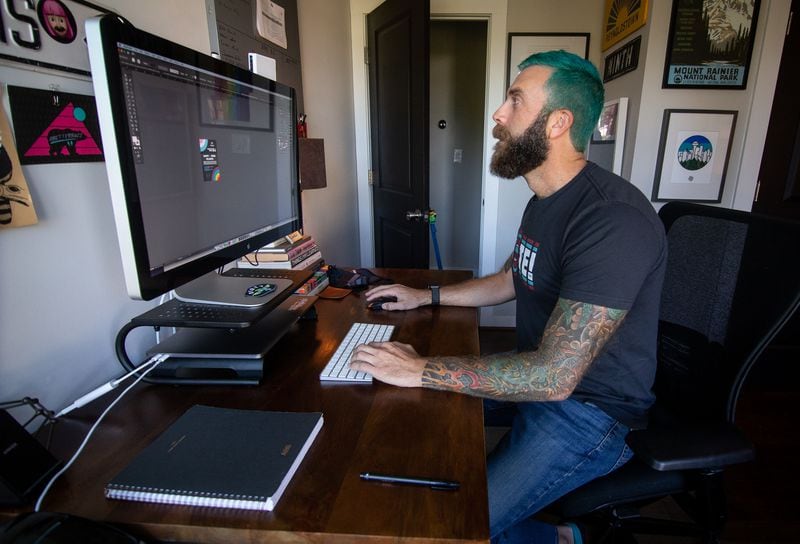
(574, 85)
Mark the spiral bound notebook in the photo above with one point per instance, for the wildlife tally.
(220, 457)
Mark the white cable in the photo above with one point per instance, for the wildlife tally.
(103, 389)
(153, 362)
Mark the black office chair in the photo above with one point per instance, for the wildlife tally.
(732, 283)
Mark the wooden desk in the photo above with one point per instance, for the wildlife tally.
(377, 428)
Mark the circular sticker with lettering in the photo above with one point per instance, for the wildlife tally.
(260, 289)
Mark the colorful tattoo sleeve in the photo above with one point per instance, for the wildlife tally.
(573, 336)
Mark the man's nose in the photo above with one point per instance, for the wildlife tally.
(500, 116)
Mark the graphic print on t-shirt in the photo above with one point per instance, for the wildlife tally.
(524, 257)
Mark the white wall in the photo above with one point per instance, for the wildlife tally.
(61, 283)
(331, 214)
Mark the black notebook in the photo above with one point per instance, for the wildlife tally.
(220, 457)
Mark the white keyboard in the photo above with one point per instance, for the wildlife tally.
(338, 367)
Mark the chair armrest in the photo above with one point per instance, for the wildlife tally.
(699, 446)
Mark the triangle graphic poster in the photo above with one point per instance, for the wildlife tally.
(54, 127)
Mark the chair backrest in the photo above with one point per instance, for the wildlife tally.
(732, 282)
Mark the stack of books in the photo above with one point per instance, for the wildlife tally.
(318, 282)
(301, 254)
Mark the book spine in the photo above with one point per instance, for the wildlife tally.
(305, 255)
(301, 264)
(308, 262)
(302, 248)
(316, 283)
(283, 248)
(321, 286)
(262, 257)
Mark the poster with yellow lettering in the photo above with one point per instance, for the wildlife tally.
(16, 205)
(621, 19)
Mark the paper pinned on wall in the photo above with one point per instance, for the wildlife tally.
(16, 204)
(54, 127)
(271, 22)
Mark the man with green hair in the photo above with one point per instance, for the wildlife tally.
(586, 273)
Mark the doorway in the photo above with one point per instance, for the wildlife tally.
(494, 12)
(457, 104)
(778, 190)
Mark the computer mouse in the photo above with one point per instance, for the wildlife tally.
(58, 528)
(377, 304)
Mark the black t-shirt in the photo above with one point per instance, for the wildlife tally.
(596, 240)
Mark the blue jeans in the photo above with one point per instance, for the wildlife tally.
(551, 449)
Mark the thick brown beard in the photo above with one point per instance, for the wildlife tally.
(516, 156)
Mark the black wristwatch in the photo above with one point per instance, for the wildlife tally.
(434, 294)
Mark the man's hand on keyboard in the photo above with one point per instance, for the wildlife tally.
(407, 298)
(390, 362)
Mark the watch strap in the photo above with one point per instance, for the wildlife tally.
(434, 294)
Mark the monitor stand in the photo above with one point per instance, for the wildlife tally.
(220, 344)
(218, 356)
(213, 288)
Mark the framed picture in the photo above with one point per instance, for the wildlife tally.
(622, 61)
(622, 18)
(693, 155)
(607, 143)
(47, 33)
(521, 45)
(710, 44)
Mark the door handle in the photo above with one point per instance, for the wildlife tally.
(416, 215)
(428, 216)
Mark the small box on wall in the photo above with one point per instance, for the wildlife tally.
(312, 164)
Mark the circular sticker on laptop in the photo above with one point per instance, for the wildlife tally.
(260, 289)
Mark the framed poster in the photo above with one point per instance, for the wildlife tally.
(521, 45)
(710, 44)
(622, 18)
(693, 155)
(607, 144)
(47, 33)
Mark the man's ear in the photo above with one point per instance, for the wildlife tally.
(560, 122)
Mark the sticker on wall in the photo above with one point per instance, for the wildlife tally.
(16, 204)
(55, 127)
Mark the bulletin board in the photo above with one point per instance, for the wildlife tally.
(238, 27)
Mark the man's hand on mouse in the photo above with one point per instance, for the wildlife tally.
(390, 362)
(407, 298)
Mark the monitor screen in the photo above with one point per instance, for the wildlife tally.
(201, 156)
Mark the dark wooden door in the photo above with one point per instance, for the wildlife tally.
(778, 190)
(398, 43)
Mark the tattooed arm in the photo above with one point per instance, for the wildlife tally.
(574, 335)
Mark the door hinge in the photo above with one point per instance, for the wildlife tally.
(366, 55)
(370, 179)
(758, 188)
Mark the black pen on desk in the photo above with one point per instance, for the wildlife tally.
(433, 483)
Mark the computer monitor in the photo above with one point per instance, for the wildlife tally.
(202, 160)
